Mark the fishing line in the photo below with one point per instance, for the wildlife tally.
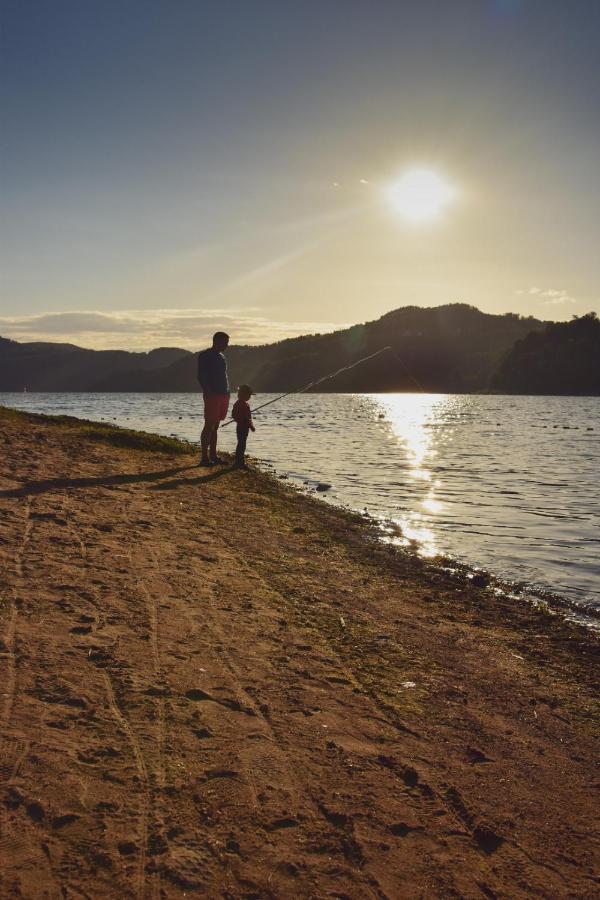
(410, 375)
(312, 384)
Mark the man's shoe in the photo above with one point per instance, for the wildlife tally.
(204, 463)
(217, 461)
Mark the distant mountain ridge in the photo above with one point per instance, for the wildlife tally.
(39, 366)
(450, 348)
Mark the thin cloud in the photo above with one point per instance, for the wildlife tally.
(549, 296)
(147, 329)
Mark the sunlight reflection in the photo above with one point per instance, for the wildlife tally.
(410, 418)
(417, 533)
(432, 505)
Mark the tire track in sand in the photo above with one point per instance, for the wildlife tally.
(141, 878)
(7, 841)
(160, 777)
(154, 795)
(275, 770)
(127, 730)
(9, 638)
(146, 793)
(158, 676)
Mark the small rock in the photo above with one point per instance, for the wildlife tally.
(35, 812)
(402, 829)
(476, 756)
(480, 580)
(62, 821)
(127, 848)
(322, 486)
(410, 777)
(13, 798)
(488, 839)
(202, 733)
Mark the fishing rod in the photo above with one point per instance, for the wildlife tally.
(312, 384)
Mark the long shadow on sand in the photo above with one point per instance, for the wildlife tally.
(193, 482)
(42, 487)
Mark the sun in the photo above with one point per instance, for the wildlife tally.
(420, 196)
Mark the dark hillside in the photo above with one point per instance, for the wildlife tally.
(40, 366)
(447, 348)
(564, 358)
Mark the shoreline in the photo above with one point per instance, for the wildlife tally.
(584, 612)
(553, 602)
(217, 684)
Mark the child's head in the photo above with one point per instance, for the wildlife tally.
(244, 392)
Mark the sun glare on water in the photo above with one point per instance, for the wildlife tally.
(420, 196)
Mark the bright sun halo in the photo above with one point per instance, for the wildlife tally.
(420, 195)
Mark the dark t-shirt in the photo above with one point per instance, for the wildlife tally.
(212, 372)
(242, 413)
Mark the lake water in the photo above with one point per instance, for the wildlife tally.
(507, 484)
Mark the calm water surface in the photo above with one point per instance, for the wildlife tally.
(509, 484)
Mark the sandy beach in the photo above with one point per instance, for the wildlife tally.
(213, 685)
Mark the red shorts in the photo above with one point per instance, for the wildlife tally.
(215, 407)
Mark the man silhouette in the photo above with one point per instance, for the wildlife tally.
(212, 375)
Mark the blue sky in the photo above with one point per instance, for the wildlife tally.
(166, 165)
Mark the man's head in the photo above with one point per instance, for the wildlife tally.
(244, 392)
(220, 341)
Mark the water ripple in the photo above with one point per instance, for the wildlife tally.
(506, 483)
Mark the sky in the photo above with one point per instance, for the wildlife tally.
(172, 167)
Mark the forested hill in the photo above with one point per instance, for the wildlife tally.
(564, 358)
(446, 348)
(39, 366)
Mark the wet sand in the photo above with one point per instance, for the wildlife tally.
(215, 686)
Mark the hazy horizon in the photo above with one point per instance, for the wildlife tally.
(170, 169)
(248, 333)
